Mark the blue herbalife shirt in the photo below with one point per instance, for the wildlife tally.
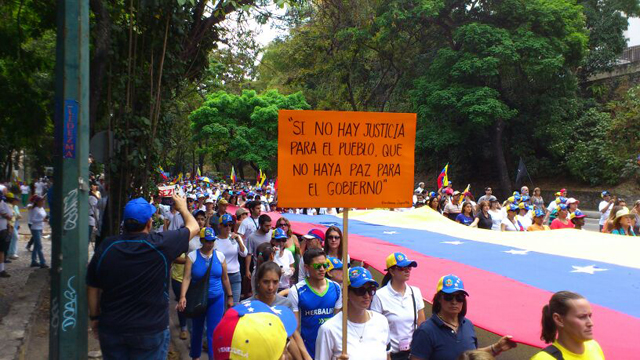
(314, 309)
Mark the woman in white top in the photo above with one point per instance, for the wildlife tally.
(496, 214)
(232, 246)
(400, 303)
(38, 216)
(368, 331)
(510, 223)
(283, 258)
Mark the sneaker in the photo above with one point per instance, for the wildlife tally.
(14, 257)
(7, 261)
(35, 265)
(4, 274)
(44, 266)
(183, 335)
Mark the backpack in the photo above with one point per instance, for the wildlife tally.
(554, 351)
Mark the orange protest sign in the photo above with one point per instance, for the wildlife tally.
(345, 159)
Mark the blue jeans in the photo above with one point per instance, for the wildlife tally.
(215, 309)
(153, 346)
(236, 286)
(13, 247)
(176, 286)
(37, 247)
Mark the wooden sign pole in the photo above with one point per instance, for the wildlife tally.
(345, 277)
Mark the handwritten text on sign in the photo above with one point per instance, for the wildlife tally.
(345, 159)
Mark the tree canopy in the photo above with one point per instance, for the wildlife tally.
(243, 129)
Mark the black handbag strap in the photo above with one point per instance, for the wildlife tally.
(415, 309)
(554, 351)
(206, 275)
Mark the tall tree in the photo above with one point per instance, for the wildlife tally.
(146, 55)
(27, 56)
(243, 129)
(504, 64)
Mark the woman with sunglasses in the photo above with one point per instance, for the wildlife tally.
(400, 303)
(567, 326)
(368, 331)
(231, 246)
(283, 258)
(447, 333)
(333, 243)
(292, 244)
(198, 261)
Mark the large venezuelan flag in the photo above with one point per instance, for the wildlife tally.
(509, 276)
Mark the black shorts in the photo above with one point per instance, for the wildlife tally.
(5, 240)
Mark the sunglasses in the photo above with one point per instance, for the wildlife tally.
(361, 291)
(282, 241)
(190, 200)
(449, 297)
(318, 266)
(227, 225)
(333, 237)
(282, 225)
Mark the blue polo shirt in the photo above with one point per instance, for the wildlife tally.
(434, 340)
(133, 272)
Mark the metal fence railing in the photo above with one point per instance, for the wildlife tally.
(631, 54)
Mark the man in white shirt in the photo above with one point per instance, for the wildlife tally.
(250, 224)
(262, 235)
(605, 208)
(39, 187)
(24, 191)
(6, 213)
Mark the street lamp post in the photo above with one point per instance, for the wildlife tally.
(69, 206)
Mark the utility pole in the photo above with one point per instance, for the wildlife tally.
(69, 212)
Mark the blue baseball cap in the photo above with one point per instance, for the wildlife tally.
(226, 219)
(539, 213)
(525, 198)
(199, 212)
(450, 284)
(513, 207)
(605, 193)
(210, 234)
(400, 260)
(279, 234)
(334, 263)
(359, 276)
(139, 210)
(562, 207)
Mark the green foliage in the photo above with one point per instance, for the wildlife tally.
(243, 128)
(593, 158)
(359, 55)
(508, 64)
(607, 20)
(27, 35)
(605, 143)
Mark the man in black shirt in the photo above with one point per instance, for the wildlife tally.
(128, 283)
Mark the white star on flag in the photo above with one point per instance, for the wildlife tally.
(276, 311)
(517, 252)
(390, 232)
(250, 309)
(591, 269)
(453, 242)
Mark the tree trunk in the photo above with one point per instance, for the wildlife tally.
(501, 163)
(100, 59)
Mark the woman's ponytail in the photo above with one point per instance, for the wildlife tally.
(558, 304)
